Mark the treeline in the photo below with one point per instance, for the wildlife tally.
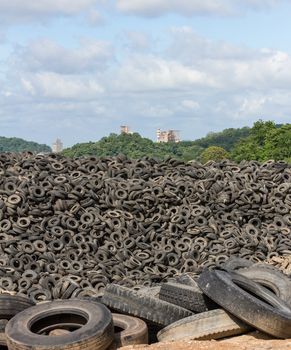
(14, 144)
(265, 140)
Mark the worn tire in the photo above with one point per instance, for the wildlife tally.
(3, 342)
(10, 305)
(151, 309)
(214, 324)
(93, 321)
(133, 331)
(188, 297)
(248, 301)
(235, 263)
(271, 278)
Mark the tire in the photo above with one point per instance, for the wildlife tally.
(234, 263)
(10, 305)
(133, 331)
(90, 324)
(248, 301)
(125, 300)
(271, 278)
(189, 297)
(3, 342)
(208, 325)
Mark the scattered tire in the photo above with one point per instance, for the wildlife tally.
(10, 305)
(248, 301)
(151, 309)
(129, 331)
(271, 278)
(214, 324)
(188, 297)
(90, 325)
(234, 263)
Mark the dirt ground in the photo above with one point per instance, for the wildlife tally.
(252, 341)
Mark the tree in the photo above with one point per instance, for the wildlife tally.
(14, 144)
(214, 153)
(278, 143)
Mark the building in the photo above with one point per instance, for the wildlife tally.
(124, 129)
(57, 146)
(168, 136)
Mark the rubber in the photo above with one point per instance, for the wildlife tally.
(10, 305)
(188, 297)
(214, 324)
(27, 329)
(270, 315)
(235, 263)
(134, 330)
(271, 278)
(3, 342)
(125, 300)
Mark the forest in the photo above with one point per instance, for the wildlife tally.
(264, 140)
(14, 144)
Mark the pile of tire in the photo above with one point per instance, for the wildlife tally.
(235, 299)
(69, 227)
(66, 324)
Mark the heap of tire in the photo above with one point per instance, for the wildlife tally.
(68, 227)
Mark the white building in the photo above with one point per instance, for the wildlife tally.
(57, 146)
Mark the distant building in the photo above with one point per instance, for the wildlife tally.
(124, 129)
(57, 146)
(168, 136)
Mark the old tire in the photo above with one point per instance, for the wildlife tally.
(125, 300)
(10, 305)
(188, 297)
(214, 324)
(248, 301)
(132, 331)
(271, 278)
(90, 324)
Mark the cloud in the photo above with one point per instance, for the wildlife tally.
(19, 11)
(153, 8)
(47, 55)
(193, 85)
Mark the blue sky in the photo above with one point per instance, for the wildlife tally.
(78, 69)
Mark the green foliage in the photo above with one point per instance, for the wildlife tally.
(225, 139)
(213, 153)
(263, 141)
(266, 141)
(15, 144)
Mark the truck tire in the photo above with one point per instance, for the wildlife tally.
(188, 297)
(248, 301)
(90, 325)
(214, 324)
(125, 300)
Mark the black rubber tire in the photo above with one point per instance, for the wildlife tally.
(27, 329)
(10, 305)
(189, 297)
(271, 278)
(3, 342)
(125, 300)
(214, 324)
(272, 316)
(134, 331)
(234, 263)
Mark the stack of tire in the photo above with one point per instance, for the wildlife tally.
(66, 324)
(225, 302)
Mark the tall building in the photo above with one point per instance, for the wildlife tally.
(124, 129)
(168, 136)
(57, 146)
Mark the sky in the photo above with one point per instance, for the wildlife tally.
(78, 69)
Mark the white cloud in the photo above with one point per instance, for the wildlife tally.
(193, 7)
(56, 86)
(47, 55)
(16, 11)
(152, 73)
